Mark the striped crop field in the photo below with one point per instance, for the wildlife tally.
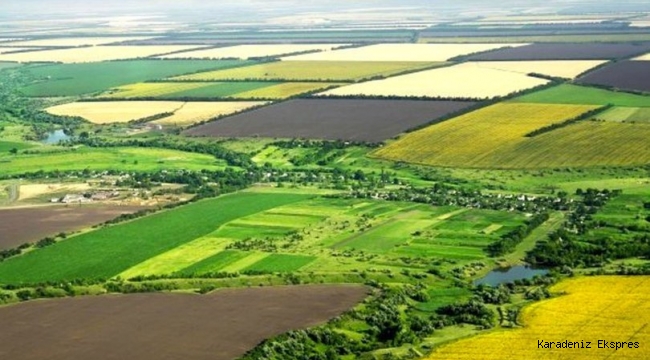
(487, 138)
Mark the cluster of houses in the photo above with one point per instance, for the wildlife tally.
(86, 198)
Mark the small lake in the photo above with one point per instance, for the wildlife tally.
(56, 136)
(506, 275)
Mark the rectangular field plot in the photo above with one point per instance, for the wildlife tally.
(624, 75)
(250, 51)
(280, 263)
(626, 114)
(79, 41)
(567, 69)
(4, 50)
(481, 138)
(310, 71)
(72, 79)
(215, 263)
(591, 51)
(468, 80)
(399, 52)
(282, 91)
(357, 120)
(92, 54)
(114, 111)
(580, 95)
(194, 112)
(179, 90)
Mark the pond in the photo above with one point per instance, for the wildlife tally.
(506, 275)
(56, 136)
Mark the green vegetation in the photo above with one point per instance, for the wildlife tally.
(6, 146)
(280, 263)
(8, 65)
(583, 95)
(626, 114)
(185, 90)
(72, 79)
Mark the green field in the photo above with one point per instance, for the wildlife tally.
(8, 65)
(280, 263)
(126, 159)
(215, 263)
(107, 252)
(583, 95)
(311, 71)
(73, 79)
(178, 90)
(626, 114)
(5, 146)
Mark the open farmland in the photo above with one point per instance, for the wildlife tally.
(250, 51)
(624, 75)
(220, 326)
(626, 114)
(645, 57)
(575, 94)
(562, 38)
(194, 112)
(357, 120)
(310, 71)
(283, 91)
(584, 313)
(4, 50)
(567, 69)
(481, 138)
(399, 52)
(72, 79)
(180, 90)
(114, 111)
(127, 159)
(28, 224)
(582, 51)
(468, 80)
(79, 41)
(92, 54)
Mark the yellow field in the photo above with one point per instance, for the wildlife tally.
(645, 57)
(467, 80)
(8, 49)
(29, 191)
(604, 308)
(557, 68)
(481, 138)
(95, 53)
(400, 52)
(114, 111)
(310, 70)
(79, 41)
(139, 90)
(250, 51)
(195, 112)
(282, 91)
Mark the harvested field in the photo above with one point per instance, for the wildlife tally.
(195, 112)
(400, 52)
(583, 51)
(355, 120)
(574, 94)
(584, 313)
(222, 325)
(30, 191)
(114, 111)
(624, 75)
(93, 54)
(180, 90)
(283, 91)
(468, 80)
(4, 50)
(79, 41)
(34, 223)
(311, 71)
(645, 57)
(250, 51)
(567, 69)
(481, 138)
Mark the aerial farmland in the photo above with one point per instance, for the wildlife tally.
(248, 180)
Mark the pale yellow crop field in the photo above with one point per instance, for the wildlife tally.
(10, 49)
(79, 41)
(603, 308)
(400, 52)
(106, 112)
(195, 112)
(95, 53)
(251, 51)
(567, 69)
(467, 80)
(645, 57)
(140, 90)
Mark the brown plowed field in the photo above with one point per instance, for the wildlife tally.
(624, 75)
(353, 120)
(21, 225)
(219, 326)
(564, 52)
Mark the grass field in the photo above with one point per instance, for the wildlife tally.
(94, 53)
(584, 313)
(127, 159)
(626, 114)
(250, 51)
(195, 112)
(311, 70)
(468, 80)
(281, 263)
(109, 251)
(282, 91)
(72, 79)
(574, 94)
(484, 138)
(177, 90)
(114, 111)
(8, 65)
(567, 69)
(5, 146)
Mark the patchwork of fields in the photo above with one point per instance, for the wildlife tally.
(574, 94)
(583, 51)
(78, 41)
(114, 111)
(94, 53)
(623, 75)
(567, 69)
(250, 51)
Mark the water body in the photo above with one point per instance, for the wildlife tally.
(56, 136)
(506, 275)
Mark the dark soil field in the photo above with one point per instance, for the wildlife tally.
(219, 326)
(564, 52)
(21, 225)
(329, 119)
(624, 75)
